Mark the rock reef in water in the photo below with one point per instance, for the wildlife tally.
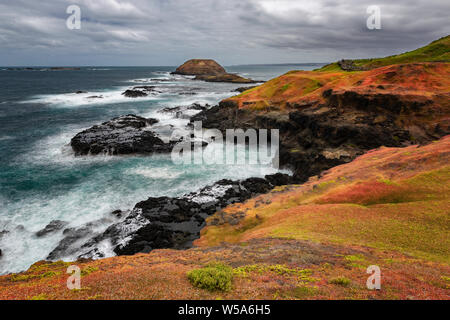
(140, 91)
(122, 135)
(53, 226)
(166, 222)
(210, 71)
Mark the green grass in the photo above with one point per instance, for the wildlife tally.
(24, 277)
(88, 270)
(436, 51)
(214, 276)
(332, 67)
(303, 292)
(303, 275)
(39, 297)
(340, 281)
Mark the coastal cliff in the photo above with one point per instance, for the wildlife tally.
(370, 150)
(329, 116)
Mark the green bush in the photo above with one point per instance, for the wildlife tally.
(214, 276)
(341, 281)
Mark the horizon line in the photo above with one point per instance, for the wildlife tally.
(136, 66)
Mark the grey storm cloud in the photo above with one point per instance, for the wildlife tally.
(167, 32)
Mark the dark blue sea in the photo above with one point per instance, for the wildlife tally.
(40, 178)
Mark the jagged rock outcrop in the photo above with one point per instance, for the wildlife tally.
(131, 93)
(74, 237)
(349, 65)
(122, 135)
(242, 89)
(315, 139)
(226, 77)
(166, 222)
(53, 226)
(184, 112)
(140, 91)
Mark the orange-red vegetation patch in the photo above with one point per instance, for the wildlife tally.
(262, 269)
(297, 89)
(390, 198)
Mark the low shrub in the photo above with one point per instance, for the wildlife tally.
(214, 276)
(341, 281)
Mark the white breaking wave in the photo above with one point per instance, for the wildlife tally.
(56, 149)
(156, 173)
(86, 98)
(108, 183)
(2, 138)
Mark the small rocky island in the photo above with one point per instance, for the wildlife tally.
(209, 70)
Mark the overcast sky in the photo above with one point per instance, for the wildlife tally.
(168, 32)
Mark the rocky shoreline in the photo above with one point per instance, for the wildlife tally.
(315, 135)
(312, 140)
(158, 222)
(165, 222)
(162, 222)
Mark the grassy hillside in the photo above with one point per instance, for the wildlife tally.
(298, 89)
(424, 71)
(436, 51)
(390, 199)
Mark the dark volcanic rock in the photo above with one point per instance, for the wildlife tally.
(1, 253)
(349, 65)
(185, 112)
(226, 77)
(147, 89)
(242, 89)
(279, 179)
(166, 222)
(65, 246)
(3, 232)
(123, 135)
(73, 237)
(53, 226)
(187, 93)
(315, 139)
(118, 213)
(151, 237)
(134, 93)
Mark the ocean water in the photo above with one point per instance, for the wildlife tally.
(40, 178)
